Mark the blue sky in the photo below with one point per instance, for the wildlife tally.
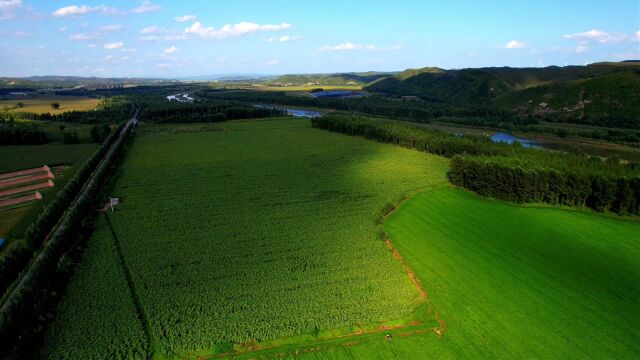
(204, 37)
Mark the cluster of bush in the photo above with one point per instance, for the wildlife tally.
(19, 315)
(510, 171)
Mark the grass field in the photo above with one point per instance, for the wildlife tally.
(42, 104)
(266, 229)
(513, 282)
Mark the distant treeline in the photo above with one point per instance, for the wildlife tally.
(18, 134)
(510, 172)
(416, 111)
(203, 111)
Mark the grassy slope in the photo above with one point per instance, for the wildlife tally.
(220, 226)
(515, 282)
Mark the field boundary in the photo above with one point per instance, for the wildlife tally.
(132, 288)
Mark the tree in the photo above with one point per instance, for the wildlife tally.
(61, 127)
(55, 105)
(71, 138)
(19, 104)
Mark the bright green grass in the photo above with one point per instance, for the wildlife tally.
(515, 282)
(264, 230)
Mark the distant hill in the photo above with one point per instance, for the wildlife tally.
(342, 79)
(605, 93)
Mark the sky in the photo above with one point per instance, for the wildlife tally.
(174, 39)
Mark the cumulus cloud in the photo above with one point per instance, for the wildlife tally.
(83, 9)
(284, 38)
(638, 35)
(184, 18)
(113, 46)
(171, 50)
(232, 30)
(596, 36)
(146, 6)
(273, 62)
(514, 44)
(349, 46)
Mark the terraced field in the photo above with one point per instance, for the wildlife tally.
(267, 229)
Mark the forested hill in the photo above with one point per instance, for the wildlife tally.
(342, 79)
(602, 93)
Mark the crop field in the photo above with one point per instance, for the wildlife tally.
(514, 282)
(42, 104)
(251, 232)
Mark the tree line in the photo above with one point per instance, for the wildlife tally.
(20, 251)
(19, 134)
(21, 315)
(203, 111)
(510, 171)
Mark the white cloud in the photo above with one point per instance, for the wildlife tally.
(273, 62)
(112, 46)
(171, 50)
(638, 35)
(111, 28)
(152, 29)
(92, 45)
(184, 18)
(514, 44)
(146, 6)
(627, 55)
(597, 36)
(62, 29)
(79, 37)
(109, 57)
(284, 38)
(232, 30)
(83, 9)
(10, 4)
(349, 46)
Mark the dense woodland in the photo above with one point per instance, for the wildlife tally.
(202, 111)
(511, 172)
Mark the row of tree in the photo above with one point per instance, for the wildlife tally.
(21, 313)
(20, 251)
(510, 171)
(539, 184)
(15, 134)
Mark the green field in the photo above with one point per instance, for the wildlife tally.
(264, 230)
(514, 282)
(12, 158)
